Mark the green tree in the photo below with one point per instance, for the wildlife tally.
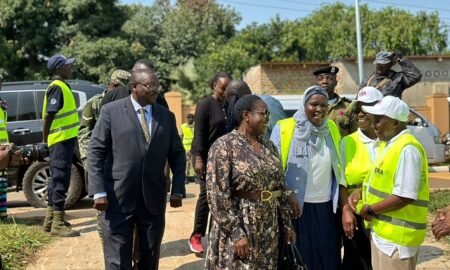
(27, 35)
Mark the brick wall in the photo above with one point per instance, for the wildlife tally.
(281, 78)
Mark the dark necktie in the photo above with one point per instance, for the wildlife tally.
(144, 125)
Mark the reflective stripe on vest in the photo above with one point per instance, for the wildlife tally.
(3, 131)
(287, 131)
(188, 136)
(357, 160)
(65, 123)
(405, 226)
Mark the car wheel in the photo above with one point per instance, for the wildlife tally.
(35, 183)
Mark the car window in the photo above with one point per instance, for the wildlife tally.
(414, 119)
(12, 100)
(27, 107)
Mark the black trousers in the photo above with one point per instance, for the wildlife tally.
(357, 250)
(201, 209)
(117, 232)
(60, 165)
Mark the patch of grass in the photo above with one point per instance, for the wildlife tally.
(438, 200)
(20, 239)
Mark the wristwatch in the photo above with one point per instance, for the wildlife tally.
(370, 211)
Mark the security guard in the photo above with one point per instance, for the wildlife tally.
(395, 194)
(388, 81)
(338, 107)
(60, 130)
(187, 136)
(91, 111)
(3, 120)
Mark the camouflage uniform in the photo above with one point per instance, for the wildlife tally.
(91, 112)
(341, 114)
(234, 166)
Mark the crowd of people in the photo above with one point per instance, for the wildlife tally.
(337, 173)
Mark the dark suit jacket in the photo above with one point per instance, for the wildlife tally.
(121, 164)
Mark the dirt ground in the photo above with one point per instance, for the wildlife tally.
(85, 252)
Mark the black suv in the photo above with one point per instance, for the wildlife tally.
(25, 100)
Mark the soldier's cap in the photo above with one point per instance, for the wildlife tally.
(383, 58)
(58, 60)
(120, 76)
(392, 107)
(369, 94)
(326, 70)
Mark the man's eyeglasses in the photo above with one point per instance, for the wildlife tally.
(265, 113)
(152, 88)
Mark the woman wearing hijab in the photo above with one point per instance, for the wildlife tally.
(247, 194)
(309, 148)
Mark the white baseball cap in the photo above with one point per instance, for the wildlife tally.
(369, 94)
(390, 106)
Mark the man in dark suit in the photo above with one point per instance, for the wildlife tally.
(129, 147)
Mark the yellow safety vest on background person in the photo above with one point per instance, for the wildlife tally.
(188, 136)
(357, 160)
(3, 131)
(405, 226)
(287, 131)
(65, 124)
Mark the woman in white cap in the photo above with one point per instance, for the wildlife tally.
(357, 157)
(309, 147)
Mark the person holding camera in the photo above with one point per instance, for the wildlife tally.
(60, 131)
(388, 81)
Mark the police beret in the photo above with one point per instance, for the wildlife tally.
(326, 70)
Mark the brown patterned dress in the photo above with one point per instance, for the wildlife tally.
(233, 165)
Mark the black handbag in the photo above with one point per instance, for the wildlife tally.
(291, 259)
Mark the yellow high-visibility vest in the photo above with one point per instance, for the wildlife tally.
(3, 131)
(357, 160)
(405, 226)
(65, 124)
(188, 136)
(287, 131)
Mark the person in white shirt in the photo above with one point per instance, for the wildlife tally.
(395, 195)
(357, 157)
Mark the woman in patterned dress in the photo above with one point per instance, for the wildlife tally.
(246, 222)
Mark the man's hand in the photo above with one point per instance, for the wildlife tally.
(101, 204)
(176, 200)
(348, 222)
(354, 198)
(199, 166)
(441, 225)
(397, 57)
(241, 248)
(10, 159)
(363, 213)
(295, 206)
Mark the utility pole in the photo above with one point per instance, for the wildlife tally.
(359, 42)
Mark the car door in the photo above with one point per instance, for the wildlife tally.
(24, 125)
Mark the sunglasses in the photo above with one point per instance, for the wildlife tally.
(150, 87)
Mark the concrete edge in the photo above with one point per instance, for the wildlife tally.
(439, 169)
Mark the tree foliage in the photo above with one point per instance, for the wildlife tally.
(192, 40)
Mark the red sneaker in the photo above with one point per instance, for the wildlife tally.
(195, 243)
